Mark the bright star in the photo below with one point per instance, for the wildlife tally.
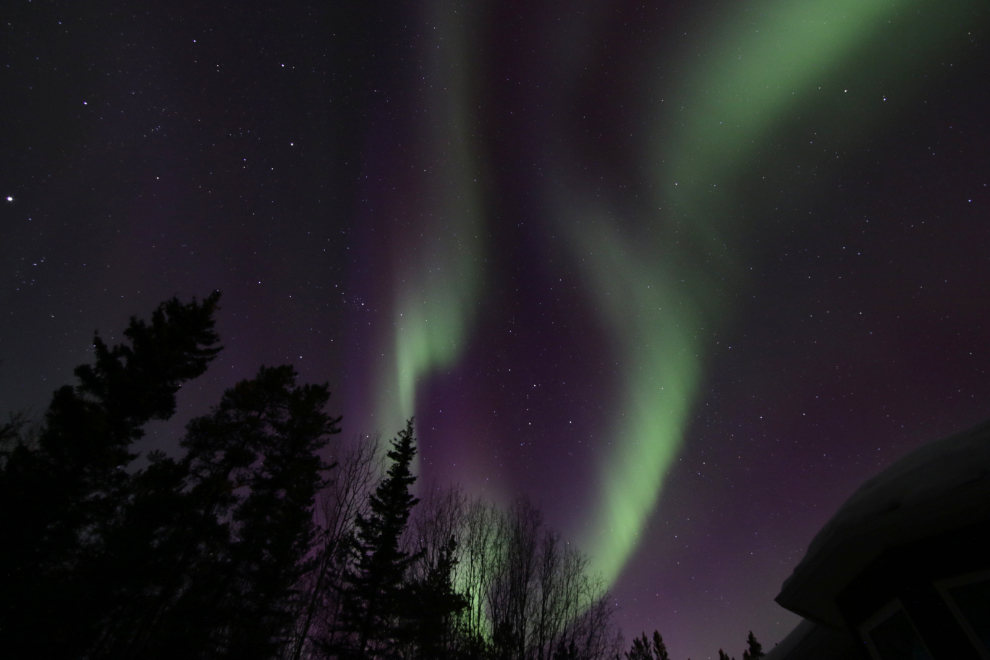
(9, 198)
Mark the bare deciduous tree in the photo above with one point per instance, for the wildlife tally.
(530, 592)
(359, 466)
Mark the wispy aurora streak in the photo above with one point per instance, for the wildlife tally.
(438, 274)
(664, 291)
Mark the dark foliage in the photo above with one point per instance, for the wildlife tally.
(435, 604)
(642, 649)
(195, 557)
(222, 551)
(384, 613)
(62, 497)
(754, 650)
(235, 524)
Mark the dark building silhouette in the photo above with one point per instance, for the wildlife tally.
(902, 570)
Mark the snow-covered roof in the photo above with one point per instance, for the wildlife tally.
(938, 487)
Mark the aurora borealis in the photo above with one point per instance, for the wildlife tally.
(783, 51)
(685, 274)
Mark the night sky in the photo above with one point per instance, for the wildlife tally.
(684, 273)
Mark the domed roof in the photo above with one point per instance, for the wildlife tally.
(938, 487)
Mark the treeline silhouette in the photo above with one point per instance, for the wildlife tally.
(645, 649)
(249, 545)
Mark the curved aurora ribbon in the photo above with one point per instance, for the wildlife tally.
(658, 295)
(653, 289)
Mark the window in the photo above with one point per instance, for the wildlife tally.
(890, 635)
(968, 597)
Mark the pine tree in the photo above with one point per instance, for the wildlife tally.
(62, 498)
(754, 650)
(376, 595)
(191, 557)
(643, 650)
(659, 648)
(252, 472)
(274, 521)
(434, 607)
(722, 655)
(569, 651)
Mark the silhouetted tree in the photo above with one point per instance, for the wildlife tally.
(341, 502)
(63, 497)
(754, 650)
(245, 495)
(440, 609)
(568, 651)
(150, 551)
(197, 556)
(255, 460)
(642, 649)
(722, 655)
(431, 619)
(220, 552)
(10, 435)
(375, 591)
(530, 595)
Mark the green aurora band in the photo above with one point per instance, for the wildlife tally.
(664, 292)
(438, 280)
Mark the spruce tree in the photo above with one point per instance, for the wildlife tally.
(643, 650)
(431, 619)
(659, 648)
(376, 595)
(754, 650)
